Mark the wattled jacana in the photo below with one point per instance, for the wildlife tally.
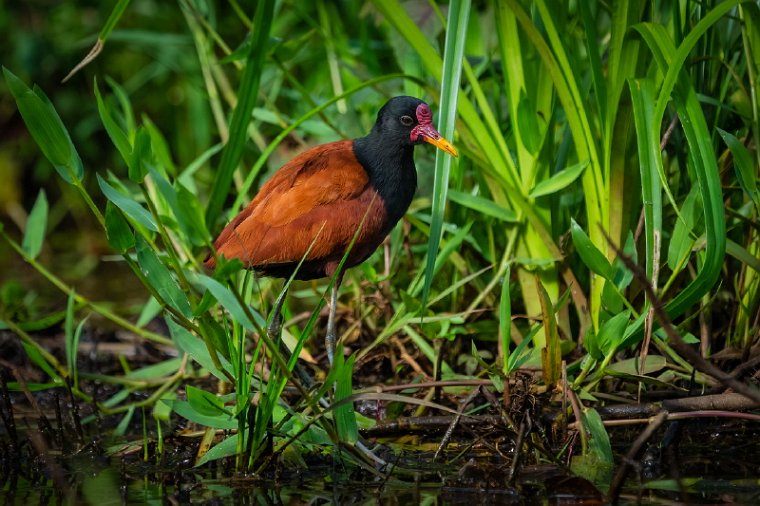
(313, 206)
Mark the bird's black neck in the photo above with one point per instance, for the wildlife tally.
(391, 172)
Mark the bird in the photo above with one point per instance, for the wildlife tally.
(315, 205)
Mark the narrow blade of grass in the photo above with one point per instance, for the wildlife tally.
(241, 117)
(453, 56)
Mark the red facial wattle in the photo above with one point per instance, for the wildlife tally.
(425, 131)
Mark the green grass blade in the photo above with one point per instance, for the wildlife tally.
(551, 354)
(46, 128)
(345, 417)
(650, 163)
(241, 117)
(231, 303)
(118, 231)
(118, 136)
(34, 232)
(558, 181)
(592, 47)
(483, 206)
(677, 58)
(704, 161)
(744, 167)
(453, 56)
(128, 205)
(159, 276)
(505, 321)
(590, 255)
(68, 331)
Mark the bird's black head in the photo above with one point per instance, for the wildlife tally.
(405, 121)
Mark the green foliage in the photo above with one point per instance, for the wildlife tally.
(46, 127)
(596, 462)
(247, 93)
(573, 120)
(34, 234)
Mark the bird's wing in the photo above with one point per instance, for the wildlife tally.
(322, 194)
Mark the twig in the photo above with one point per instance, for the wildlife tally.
(406, 357)
(674, 338)
(426, 384)
(428, 424)
(622, 471)
(525, 427)
(454, 422)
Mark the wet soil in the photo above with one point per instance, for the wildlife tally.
(58, 449)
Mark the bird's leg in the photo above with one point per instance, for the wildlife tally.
(331, 337)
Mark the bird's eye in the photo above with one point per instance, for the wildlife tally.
(407, 120)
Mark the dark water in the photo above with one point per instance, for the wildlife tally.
(700, 462)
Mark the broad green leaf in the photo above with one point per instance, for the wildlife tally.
(127, 204)
(161, 410)
(612, 300)
(36, 357)
(161, 279)
(160, 370)
(623, 276)
(483, 206)
(186, 208)
(228, 300)
(600, 441)
(596, 465)
(558, 181)
(591, 344)
(121, 428)
(15, 386)
(140, 156)
(521, 353)
(127, 112)
(205, 403)
(117, 398)
(527, 121)
(740, 253)
(118, 231)
(197, 349)
(746, 171)
(118, 136)
(632, 365)
(226, 448)
(159, 147)
(611, 332)
(46, 128)
(34, 232)
(150, 310)
(345, 418)
(590, 255)
(135, 153)
(190, 216)
(219, 421)
(683, 238)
